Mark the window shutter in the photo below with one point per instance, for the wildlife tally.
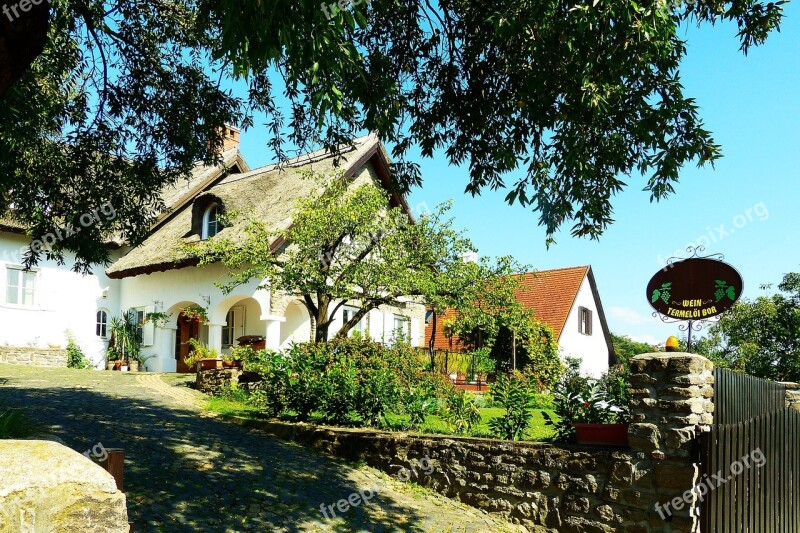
(589, 321)
(149, 328)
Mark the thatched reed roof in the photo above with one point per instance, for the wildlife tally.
(268, 194)
(174, 196)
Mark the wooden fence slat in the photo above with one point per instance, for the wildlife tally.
(750, 414)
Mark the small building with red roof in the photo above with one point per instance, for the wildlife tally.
(567, 300)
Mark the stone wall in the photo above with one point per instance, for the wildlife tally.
(33, 356)
(212, 381)
(45, 486)
(549, 488)
(544, 487)
(793, 395)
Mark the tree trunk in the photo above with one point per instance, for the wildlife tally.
(323, 321)
(432, 343)
(22, 38)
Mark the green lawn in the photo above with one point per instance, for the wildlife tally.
(434, 424)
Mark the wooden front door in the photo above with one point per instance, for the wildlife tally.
(187, 329)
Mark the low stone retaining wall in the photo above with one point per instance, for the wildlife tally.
(45, 486)
(214, 380)
(33, 356)
(549, 488)
(541, 486)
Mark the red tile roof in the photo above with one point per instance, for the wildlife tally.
(549, 293)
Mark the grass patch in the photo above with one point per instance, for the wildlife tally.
(236, 406)
(538, 431)
(15, 425)
(230, 408)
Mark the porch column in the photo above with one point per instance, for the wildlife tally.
(272, 335)
(215, 337)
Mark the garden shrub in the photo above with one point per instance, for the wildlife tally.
(345, 381)
(460, 412)
(271, 394)
(75, 356)
(513, 393)
(422, 396)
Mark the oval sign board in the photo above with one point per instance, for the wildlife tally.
(694, 289)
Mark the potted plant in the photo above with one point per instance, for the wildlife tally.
(111, 358)
(158, 318)
(124, 340)
(201, 356)
(194, 313)
(595, 422)
(234, 359)
(592, 411)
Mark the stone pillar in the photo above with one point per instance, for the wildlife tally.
(672, 401)
(792, 395)
(272, 334)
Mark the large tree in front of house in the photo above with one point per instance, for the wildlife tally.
(347, 245)
(126, 95)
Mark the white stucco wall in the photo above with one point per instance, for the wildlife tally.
(64, 300)
(173, 290)
(591, 349)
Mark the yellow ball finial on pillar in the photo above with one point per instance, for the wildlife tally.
(672, 344)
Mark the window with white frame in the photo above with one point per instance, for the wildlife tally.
(585, 320)
(101, 326)
(234, 326)
(347, 314)
(20, 286)
(138, 316)
(402, 327)
(211, 222)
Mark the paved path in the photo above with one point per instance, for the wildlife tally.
(187, 471)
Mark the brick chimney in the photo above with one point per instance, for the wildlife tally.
(231, 138)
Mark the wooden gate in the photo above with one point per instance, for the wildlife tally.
(750, 458)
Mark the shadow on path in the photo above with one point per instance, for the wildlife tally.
(185, 472)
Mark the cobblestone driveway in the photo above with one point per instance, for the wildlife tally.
(190, 472)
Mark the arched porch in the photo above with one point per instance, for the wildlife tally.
(297, 327)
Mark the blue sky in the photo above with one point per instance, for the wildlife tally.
(745, 207)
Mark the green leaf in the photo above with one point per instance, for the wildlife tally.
(656, 296)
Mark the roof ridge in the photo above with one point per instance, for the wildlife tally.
(301, 160)
(553, 270)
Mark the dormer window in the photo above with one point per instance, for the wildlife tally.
(211, 222)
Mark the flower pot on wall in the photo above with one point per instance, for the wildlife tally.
(111, 365)
(209, 364)
(227, 363)
(605, 434)
(134, 366)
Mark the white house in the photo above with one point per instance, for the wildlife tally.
(568, 301)
(160, 276)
